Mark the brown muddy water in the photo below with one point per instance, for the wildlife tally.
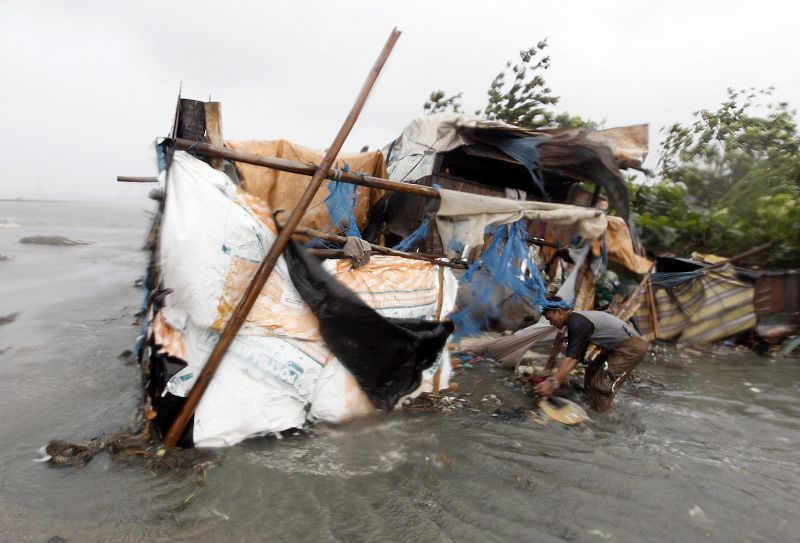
(703, 447)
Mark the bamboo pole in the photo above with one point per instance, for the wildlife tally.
(304, 168)
(377, 248)
(250, 295)
(136, 179)
(741, 256)
(651, 302)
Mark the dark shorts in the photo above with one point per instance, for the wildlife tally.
(606, 375)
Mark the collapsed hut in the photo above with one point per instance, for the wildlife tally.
(303, 356)
(273, 300)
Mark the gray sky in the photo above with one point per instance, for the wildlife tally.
(87, 85)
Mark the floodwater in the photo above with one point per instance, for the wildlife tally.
(702, 448)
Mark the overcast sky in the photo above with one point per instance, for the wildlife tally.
(87, 85)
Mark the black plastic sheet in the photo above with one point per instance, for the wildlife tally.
(385, 355)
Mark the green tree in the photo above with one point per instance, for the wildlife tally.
(729, 181)
(565, 120)
(720, 147)
(438, 102)
(518, 95)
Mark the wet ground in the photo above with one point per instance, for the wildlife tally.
(704, 447)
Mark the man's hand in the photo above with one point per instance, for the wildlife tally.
(546, 387)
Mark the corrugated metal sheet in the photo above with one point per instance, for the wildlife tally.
(777, 292)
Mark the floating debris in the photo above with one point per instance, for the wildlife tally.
(64, 453)
(58, 241)
(6, 319)
(429, 401)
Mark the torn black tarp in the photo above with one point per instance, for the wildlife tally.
(385, 355)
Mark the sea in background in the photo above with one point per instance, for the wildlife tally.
(704, 446)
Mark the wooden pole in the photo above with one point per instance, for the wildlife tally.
(377, 248)
(214, 129)
(741, 256)
(136, 179)
(250, 295)
(651, 302)
(304, 168)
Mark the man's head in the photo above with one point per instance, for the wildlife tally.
(556, 311)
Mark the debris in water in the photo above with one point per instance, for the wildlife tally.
(59, 241)
(699, 516)
(600, 533)
(426, 401)
(127, 356)
(63, 453)
(3, 258)
(8, 318)
(755, 389)
(223, 515)
(6, 222)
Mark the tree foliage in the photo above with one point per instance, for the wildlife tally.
(729, 181)
(720, 147)
(438, 102)
(519, 95)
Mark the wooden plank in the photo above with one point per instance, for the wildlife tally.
(214, 130)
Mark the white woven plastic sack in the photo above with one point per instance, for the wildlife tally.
(278, 369)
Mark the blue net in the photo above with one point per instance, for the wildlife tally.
(414, 237)
(505, 274)
(341, 204)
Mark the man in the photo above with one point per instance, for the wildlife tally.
(624, 349)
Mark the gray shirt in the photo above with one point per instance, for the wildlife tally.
(607, 331)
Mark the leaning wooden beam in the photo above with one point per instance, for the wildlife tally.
(653, 308)
(741, 256)
(377, 248)
(135, 179)
(253, 290)
(304, 168)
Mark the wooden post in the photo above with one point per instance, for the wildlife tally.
(651, 302)
(191, 119)
(214, 130)
(253, 290)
